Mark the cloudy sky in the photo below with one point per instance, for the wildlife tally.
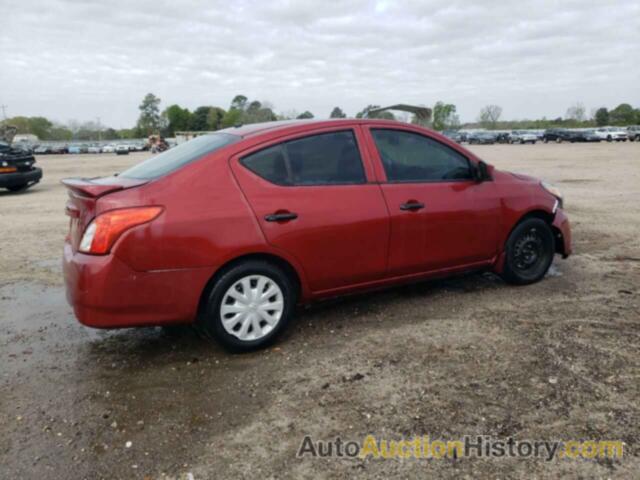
(82, 59)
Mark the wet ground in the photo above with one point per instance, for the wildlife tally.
(465, 356)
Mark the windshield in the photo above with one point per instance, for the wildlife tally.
(179, 156)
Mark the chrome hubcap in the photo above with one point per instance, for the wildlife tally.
(251, 307)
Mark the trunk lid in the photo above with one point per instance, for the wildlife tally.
(84, 194)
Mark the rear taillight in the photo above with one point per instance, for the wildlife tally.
(107, 227)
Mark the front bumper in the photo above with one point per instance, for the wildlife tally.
(20, 178)
(562, 229)
(106, 293)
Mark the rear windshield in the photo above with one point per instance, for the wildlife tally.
(179, 156)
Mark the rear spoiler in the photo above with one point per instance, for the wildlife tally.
(97, 187)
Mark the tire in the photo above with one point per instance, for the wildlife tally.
(558, 140)
(250, 313)
(545, 140)
(609, 138)
(18, 188)
(529, 252)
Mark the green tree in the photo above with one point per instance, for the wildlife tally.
(239, 102)
(258, 112)
(305, 115)
(337, 113)
(149, 120)
(623, 114)
(231, 118)
(39, 126)
(214, 118)
(199, 119)
(602, 117)
(444, 116)
(178, 119)
(60, 132)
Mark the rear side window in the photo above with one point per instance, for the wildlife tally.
(179, 156)
(411, 157)
(323, 159)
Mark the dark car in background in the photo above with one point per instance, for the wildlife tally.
(17, 170)
(558, 135)
(585, 136)
(481, 138)
(456, 136)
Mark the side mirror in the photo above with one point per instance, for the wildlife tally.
(481, 172)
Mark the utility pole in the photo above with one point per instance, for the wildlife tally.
(4, 111)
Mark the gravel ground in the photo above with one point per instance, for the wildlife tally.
(558, 360)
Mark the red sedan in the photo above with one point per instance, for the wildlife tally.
(232, 230)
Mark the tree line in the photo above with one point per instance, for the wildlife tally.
(175, 118)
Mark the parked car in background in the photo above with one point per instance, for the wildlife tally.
(585, 136)
(42, 150)
(558, 135)
(481, 138)
(111, 148)
(523, 136)
(59, 149)
(454, 135)
(78, 148)
(612, 134)
(502, 137)
(17, 168)
(94, 149)
(122, 149)
(633, 133)
(233, 229)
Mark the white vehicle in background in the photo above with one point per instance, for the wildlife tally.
(122, 149)
(633, 132)
(109, 148)
(612, 134)
(94, 149)
(523, 136)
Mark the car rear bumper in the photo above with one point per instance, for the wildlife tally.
(562, 226)
(106, 293)
(20, 178)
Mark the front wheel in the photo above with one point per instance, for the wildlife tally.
(18, 188)
(249, 305)
(529, 252)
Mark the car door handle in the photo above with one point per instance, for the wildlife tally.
(281, 217)
(412, 206)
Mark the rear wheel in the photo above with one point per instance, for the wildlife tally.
(249, 305)
(529, 252)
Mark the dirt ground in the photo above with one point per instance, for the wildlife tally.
(558, 360)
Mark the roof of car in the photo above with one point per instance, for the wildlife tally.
(257, 128)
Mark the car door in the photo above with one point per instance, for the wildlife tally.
(441, 217)
(315, 198)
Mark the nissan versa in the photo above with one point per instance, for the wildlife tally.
(231, 230)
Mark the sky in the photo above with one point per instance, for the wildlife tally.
(83, 59)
